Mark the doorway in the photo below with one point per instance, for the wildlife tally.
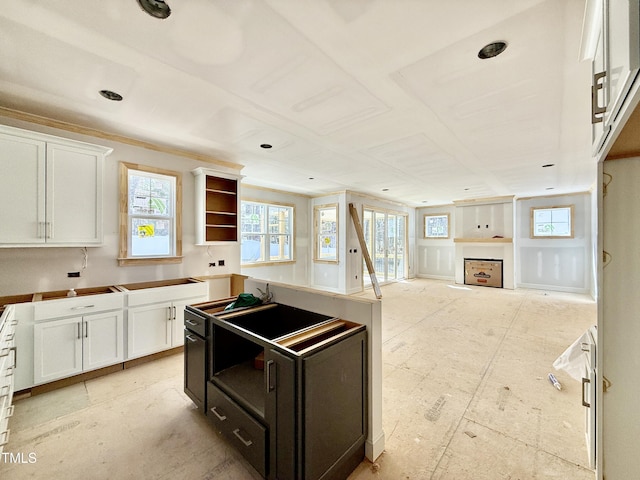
(385, 234)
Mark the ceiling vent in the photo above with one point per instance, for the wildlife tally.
(492, 50)
(155, 8)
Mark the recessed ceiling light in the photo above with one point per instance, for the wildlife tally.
(266, 145)
(466, 189)
(109, 95)
(311, 178)
(548, 165)
(492, 49)
(549, 188)
(155, 8)
(385, 189)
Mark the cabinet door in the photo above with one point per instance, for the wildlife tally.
(149, 329)
(22, 190)
(57, 349)
(599, 93)
(195, 368)
(618, 326)
(280, 414)
(623, 52)
(103, 342)
(74, 195)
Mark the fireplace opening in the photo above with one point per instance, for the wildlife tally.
(486, 272)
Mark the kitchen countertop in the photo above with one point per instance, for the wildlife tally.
(59, 294)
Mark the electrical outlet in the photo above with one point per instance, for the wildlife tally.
(221, 263)
(73, 274)
(212, 264)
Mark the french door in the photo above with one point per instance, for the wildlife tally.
(386, 239)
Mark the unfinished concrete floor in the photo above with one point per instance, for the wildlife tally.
(465, 389)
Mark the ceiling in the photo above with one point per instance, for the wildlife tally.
(384, 97)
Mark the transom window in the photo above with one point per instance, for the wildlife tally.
(150, 226)
(552, 222)
(266, 233)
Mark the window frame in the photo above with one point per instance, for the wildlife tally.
(267, 260)
(317, 257)
(124, 255)
(532, 215)
(426, 216)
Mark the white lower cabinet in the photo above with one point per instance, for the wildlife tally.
(156, 327)
(7, 367)
(149, 329)
(69, 346)
(155, 314)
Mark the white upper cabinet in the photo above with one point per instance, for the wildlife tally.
(611, 40)
(50, 190)
(622, 52)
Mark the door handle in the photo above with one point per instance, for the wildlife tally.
(584, 402)
(270, 386)
(85, 326)
(222, 418)
(597, 110)
(79, 331)
(247, 443)
(174, 312)
(191, 339)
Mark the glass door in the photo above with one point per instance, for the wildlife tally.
(385, 237)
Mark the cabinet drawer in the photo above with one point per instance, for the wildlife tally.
(195, 323)
(243, 431)
(82, 305)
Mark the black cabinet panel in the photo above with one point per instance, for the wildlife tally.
(334, 392)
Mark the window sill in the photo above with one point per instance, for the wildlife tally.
(123, 262)
(267, 264)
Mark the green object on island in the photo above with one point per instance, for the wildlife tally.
(244, 300)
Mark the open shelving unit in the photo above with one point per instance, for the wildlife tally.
(217, 207)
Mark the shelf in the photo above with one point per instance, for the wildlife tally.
(225, 192)
(245, 384)
(483, 240)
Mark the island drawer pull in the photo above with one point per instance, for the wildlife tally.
(222, 418)
(247, 443)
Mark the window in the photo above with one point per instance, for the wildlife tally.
(552, 222)
(150, 218)
(326, 233)
(436, 225)
(266, 233)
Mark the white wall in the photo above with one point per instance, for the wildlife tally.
(435, 257)
(38, 269)
(564, 264)
(297, 272)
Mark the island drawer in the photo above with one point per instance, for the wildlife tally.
(243, 431)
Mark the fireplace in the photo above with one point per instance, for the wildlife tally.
(486, 272)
